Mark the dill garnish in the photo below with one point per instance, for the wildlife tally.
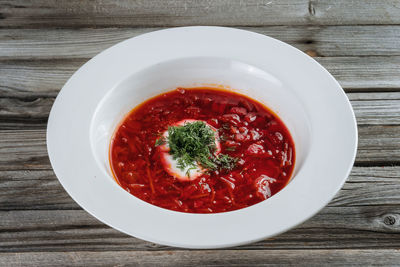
(160, 141)
(195, 143)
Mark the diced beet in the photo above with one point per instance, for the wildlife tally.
(228, 183)
(213, 122)
(192, 110)
(188, 191)
(239, 110)
(247, 105)
(219, 108)
(178, 202)
(198, 203)
(204, 186)
(188, 101)
(260, 121)
(227, 199)
(230, 178)
(129, 177)
(262, 185)
(255, 135)
(140, 163)
(248, 132)
(250, 117)
(241, 162)
(147, 149)
(240, 137)
(275, 139)
(162, 190)
(206, 101)
(234, 130)
(243, 130)
(255, 149)
(230, 143)
(231, 118)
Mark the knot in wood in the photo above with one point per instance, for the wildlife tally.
(389, 220)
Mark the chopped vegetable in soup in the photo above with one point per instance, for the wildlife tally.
(202, 150)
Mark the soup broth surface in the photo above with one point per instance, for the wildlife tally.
(253, 151)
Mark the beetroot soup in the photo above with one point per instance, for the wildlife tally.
(202, 150)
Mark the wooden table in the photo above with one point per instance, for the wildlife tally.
(43, 42)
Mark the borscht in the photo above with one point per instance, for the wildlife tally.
(202, 150)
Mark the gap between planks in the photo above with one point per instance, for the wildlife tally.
(321, 41)
(382, 108)
(40, 189)
(106, 13)
(76, 230)
(29, 78)
(353, 257)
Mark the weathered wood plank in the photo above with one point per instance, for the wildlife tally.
(23, 150)
(22, 190)
(26, 149)
(36, 78)
(76, 230)
(378, 144)
(354, 257)
(376, 108)
(76, 13)
(359, 227)
(32, 112)
(25, 108)
(370, 186)
(355, 73)
(61, 43)
(46, 77)
(355, 12)
(25, 190)
(321, 41)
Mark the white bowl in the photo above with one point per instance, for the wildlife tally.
(303, 94)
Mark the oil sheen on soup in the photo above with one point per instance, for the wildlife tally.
(202, 150)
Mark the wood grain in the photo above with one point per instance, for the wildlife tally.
(376, 108)
(26, 149)
(75, 230)
(355, 12)
(40, 189)
(27, 189)
(150, 13)
(28, 108)
(354, 257)
(360, 73)
(322, 41)
(23, 150)
(75, 13)
(378, 144)
(35, 78)
(40, 78)
(43, 42)
(370, 186)
(32, 112)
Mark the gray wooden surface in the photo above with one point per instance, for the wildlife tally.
(43, 42)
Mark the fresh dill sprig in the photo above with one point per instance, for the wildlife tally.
(226, 161)
(160, 141)
(195, 143)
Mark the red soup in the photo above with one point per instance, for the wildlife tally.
(202, 150)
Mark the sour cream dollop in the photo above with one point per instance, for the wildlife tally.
(171, 165)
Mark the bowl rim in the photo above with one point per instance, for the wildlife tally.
(70, 119)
